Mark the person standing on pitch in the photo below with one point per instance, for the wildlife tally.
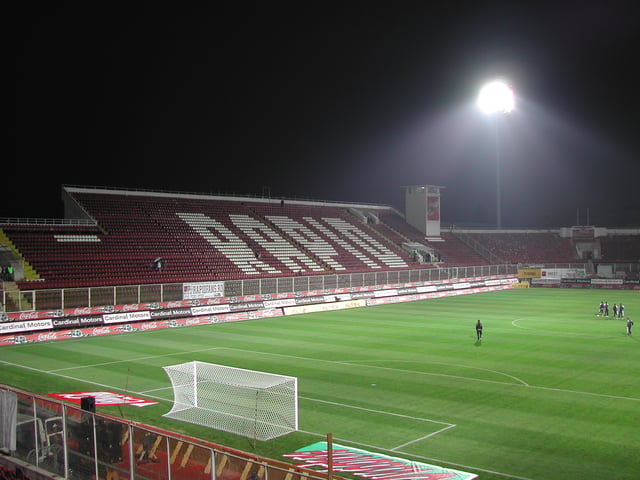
(479, 329)
(629, 325)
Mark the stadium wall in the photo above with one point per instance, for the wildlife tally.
(50, 325)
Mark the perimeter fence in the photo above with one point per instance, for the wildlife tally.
(59, 440)
(59, 299)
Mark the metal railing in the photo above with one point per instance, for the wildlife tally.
(59, 299)
(78, 444)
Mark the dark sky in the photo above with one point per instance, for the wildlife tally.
(347, 101)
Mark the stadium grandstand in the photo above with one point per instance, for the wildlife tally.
(114, 237)
(158, 260)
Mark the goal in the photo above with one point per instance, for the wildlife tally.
(253, 404)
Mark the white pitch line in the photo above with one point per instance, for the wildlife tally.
(522, 382)
(524, 385)
(423, 438)
(514, 322)
(370, 410)
(550, 333)
(111, 387)
(76, 367)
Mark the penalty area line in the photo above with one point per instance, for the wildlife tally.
(433, 434)
(370, 410)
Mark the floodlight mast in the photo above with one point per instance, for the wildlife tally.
(496, 97)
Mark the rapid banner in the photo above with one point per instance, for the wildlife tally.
(370, 465)
(195, 291)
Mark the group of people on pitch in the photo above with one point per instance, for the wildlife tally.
(603, 310)
(618, 312)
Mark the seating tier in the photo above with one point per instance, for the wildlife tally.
(163, 238)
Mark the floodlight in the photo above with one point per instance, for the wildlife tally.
(496, 97)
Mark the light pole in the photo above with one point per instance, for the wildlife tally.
(496, 98)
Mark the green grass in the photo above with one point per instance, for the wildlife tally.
(552, 391)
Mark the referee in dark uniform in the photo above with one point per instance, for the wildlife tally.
(479, 329)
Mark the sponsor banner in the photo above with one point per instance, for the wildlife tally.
(427, 296)
(309, 300)
(576, 285)
(285, 302)
(26, 316)
(126, 317)
(357, 295)
(563, 273)
(28, 326)
(426, 289)
(385, 293)
(607, 281)
(433, 208)
(609, 286)
(236, 307)
(210, 310)
(545, 281)
(170, 312)
(523, 284)
(529, 273)
(103, 398)
(192, 291)
(140, 326)
(460, 286)
(75, 322)
(407, 291)
(364, 464)
(343, 297)
(324, 307)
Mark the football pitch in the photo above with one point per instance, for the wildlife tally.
(551, 392)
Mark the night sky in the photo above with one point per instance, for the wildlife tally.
(348, 101)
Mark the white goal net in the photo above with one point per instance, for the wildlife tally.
(253, 404)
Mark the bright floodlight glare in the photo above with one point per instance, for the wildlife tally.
(495, 97)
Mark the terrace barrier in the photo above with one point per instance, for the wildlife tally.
(54, 439)
(61, 299)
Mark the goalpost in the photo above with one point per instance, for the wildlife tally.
(253, 404)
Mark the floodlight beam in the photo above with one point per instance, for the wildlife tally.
(496, 97)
